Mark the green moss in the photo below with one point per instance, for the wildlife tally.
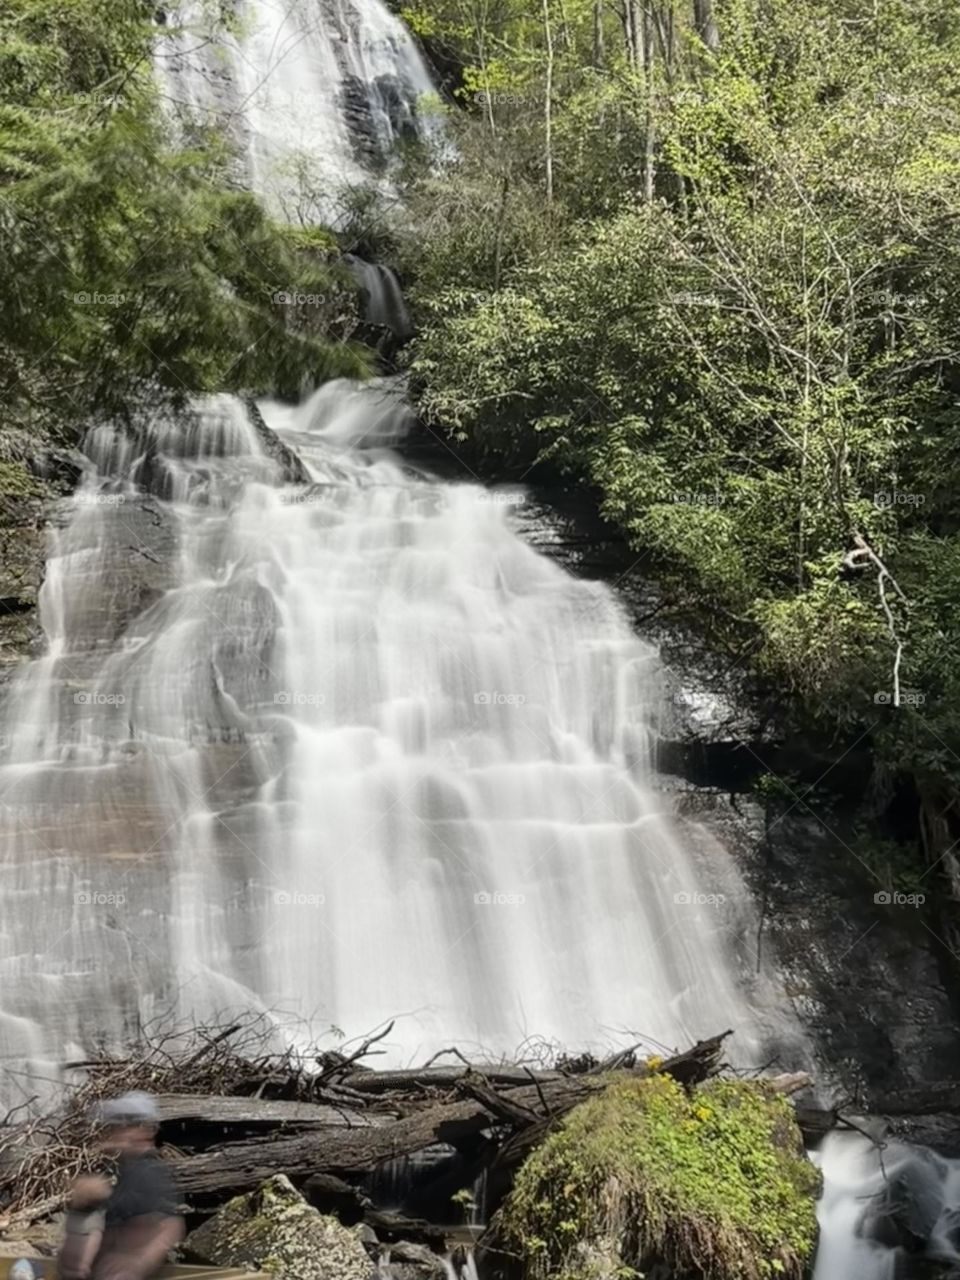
(17, 482)
(714, 1183)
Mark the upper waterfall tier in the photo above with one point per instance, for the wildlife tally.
(311, 93)
(348, 748)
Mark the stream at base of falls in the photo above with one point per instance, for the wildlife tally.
(888, 1211)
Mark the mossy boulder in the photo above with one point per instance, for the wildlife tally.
(274, 1229)
(646, 1177)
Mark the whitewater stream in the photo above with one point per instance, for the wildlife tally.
(349, 749)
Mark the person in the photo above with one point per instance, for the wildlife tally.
(123, 1231)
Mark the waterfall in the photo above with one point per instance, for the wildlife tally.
(312, 94)
(381, 296)
(349, 749)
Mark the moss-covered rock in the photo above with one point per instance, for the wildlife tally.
(712, 1184)
(274, 1229)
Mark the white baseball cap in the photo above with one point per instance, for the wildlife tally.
(134, 1107)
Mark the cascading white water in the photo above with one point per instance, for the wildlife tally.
(874, 1196)
(350, 749)
(381, 296)
(311, 93)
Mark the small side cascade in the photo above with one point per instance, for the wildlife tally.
(174, 453)
(382, 299)
(460, 1264)
(887, 1212)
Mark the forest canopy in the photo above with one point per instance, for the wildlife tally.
(704, 257)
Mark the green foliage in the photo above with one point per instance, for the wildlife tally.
(735, 316)
(128, 263)
(17, 482)
(714, 1184)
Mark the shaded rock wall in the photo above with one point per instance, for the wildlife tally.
(871, 980)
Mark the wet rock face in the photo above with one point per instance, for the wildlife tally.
(909, 1208)
(31, 481)
(866, 977)
(274, 1229)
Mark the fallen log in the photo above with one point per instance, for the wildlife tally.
(390, 1225)
(351, 1204)
(210, 1109)
(526, 1113)
(238, 1166)
(371, 1082)
(500, 1105)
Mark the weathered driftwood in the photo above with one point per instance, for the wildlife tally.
(331, 1127)
(237, 1166)
(524, 1114)
(371, 1082)
(207, 1109)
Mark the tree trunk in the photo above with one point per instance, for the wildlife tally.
(705, 24)
(598, 46)
(650, 141)
(498, 238)
(548, 102)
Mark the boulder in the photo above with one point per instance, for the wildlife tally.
(19, 1249)
(908, 1210)
(408, 1261)
(273, 1229)
(647, 1177)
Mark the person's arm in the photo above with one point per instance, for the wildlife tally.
(84, 1226)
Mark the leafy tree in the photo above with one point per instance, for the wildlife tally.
(738, 322)
(128, 263)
